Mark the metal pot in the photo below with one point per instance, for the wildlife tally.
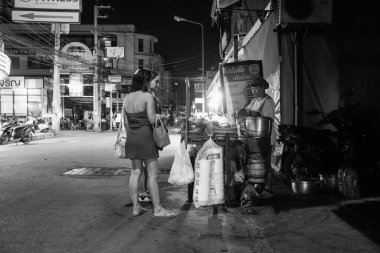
(302, 186)
(258, 126)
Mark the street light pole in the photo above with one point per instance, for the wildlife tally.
(180, 19)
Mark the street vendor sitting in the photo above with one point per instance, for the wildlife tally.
(262, 105)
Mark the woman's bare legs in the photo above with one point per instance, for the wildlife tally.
(152, 168)
(143, 180)
(134, 184)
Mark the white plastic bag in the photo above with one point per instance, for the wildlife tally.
(182, 172)
(209, 183)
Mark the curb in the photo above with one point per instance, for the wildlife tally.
(40, 136)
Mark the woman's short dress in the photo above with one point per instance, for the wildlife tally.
(140, 144)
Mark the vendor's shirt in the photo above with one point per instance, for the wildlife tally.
(266, 107)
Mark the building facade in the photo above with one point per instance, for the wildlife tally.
(30, 47)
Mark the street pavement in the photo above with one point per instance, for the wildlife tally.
(42, 209)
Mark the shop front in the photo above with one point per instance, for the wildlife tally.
(22, 96)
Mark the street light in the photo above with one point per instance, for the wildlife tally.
(180, 19)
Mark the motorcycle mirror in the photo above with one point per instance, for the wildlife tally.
(313, 112)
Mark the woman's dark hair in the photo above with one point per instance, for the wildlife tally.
(140, 80)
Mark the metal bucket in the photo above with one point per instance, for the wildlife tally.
(257, 171)
(258, 126)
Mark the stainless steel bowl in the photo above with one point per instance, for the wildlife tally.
(302, 186)
(258, 126)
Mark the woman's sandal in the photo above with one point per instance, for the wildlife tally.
(164, 214)
(141, 211)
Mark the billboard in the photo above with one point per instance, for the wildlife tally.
(73, 5)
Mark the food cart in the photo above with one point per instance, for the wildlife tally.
(234, 96)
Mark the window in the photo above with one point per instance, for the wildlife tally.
(151, 47)
(141, 63)
(88, 90)
(15, 62)
(141, 45)
(88, 79)
(65, 79)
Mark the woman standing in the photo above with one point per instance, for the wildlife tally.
(139, 116)
(154, 84)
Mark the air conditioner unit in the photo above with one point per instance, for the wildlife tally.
(303, 12)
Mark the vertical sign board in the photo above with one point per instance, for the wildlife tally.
(236, 77)
(72, 5)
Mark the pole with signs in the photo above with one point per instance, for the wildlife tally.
(56, 86)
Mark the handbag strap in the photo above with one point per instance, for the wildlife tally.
(121, 121)
(158, 119)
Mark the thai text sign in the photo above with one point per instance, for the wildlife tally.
(76, 57)
(12, 82)
(237, 76)
(51, 5)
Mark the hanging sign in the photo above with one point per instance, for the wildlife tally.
(77, 57)
(73, 5)
(114, 78)
(110, 87)
(236, 76)
(115, 52)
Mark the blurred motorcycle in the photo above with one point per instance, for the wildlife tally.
(309, 152)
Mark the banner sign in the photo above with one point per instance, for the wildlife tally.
(76, 57)
(73, 5)
(20, 51)
(115, 52)
(12, 82)
(109, 87)
(237, 76)
(114, 78)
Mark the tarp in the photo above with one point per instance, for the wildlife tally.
(261, 43)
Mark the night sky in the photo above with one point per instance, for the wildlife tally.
(177, 41)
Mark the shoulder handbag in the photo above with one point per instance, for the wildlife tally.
(119, 147)
(160, 134)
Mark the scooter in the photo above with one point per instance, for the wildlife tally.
(23, 133)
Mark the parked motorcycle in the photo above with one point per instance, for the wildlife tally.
(5, 132)
(23, 133)
(309, 152)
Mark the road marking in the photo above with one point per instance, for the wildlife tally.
(97, 171)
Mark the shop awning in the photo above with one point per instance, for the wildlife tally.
(220, 4)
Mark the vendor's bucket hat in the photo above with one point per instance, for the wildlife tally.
(259, 81)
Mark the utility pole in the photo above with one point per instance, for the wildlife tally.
(97, 75)
(57, 113)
